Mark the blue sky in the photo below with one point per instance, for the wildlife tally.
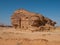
(48, 8)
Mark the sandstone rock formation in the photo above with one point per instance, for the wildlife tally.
(26, 20)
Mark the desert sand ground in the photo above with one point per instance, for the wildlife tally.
(11, 36)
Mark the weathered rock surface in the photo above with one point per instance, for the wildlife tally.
(26, 20)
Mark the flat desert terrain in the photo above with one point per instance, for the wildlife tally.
(11, 36)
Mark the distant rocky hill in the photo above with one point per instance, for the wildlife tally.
(26, 20)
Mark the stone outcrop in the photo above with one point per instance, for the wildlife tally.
(26, 20)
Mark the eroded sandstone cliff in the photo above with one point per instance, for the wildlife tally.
(26, 20)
